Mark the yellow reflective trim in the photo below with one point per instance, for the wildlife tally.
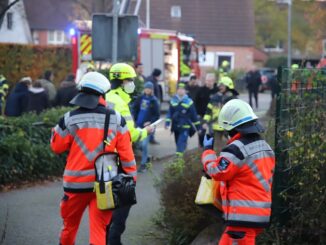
(159, 36)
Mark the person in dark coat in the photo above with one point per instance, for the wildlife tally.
(154, 78)
(17, 100)
(192, 87)
(38, 99)
(253, 80)
(146, 111)
(66, 92)
(203, 97)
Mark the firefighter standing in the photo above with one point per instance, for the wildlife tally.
(80, 132)
(245, 168)
(224, 68)
(122, 77)
(3, 92)
(226, 92)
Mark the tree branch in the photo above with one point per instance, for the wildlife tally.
(3, 12)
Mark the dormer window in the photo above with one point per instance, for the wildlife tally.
(176, 11)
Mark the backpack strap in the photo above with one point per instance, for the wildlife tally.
(106, 126)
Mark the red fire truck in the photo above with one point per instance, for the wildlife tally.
(174, 53)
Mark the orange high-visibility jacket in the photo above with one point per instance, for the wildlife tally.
(81, 133)
(245, 168)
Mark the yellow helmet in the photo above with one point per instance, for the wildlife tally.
(122, 71)
(226, 81)
(225, 63)
(294, 66)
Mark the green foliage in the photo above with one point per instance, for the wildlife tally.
(271, 24)
(18, 61)
(181, 219)
(24, 147)
(275, 62)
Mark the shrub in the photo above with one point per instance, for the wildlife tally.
(275, 62)
(24, 147)
(180, 217)
(31, 60)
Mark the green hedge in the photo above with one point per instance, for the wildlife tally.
(24, 147)
(18, 61)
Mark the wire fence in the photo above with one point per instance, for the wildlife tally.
(300, 147)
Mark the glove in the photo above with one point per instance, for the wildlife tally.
(208, 142)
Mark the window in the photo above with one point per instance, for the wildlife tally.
(57, 37)
(51, 36)
(36, 38)
(176, 11)
(224, 56)
(278, 47)
(60, 36)
(9, 21)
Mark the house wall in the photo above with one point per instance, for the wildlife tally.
(20, 32)
(243, 57)
(40, 37)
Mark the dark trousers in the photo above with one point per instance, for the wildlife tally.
(118, 225)
(202, 133)
(253, 92)
(181, 139)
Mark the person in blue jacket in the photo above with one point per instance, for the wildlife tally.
(146, 111)
(17, 100)
(183, 119)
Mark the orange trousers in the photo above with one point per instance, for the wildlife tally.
(239, 236)
(72, 207)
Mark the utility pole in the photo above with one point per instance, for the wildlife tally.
(289, 58)
(115, 31)
(148, 14)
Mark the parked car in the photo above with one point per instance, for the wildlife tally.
(266, 76)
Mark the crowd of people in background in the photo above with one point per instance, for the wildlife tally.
(193, 109)
(36, 96)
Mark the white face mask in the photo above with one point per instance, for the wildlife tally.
(129, 87)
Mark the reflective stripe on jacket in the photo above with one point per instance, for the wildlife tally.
(245, 168)
(211, 116)
(119, 100)
(81, 133)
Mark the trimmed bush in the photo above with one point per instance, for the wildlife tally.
(18, 61)
(181, 219)
(24, 147)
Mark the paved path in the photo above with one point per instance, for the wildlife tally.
(30, 216)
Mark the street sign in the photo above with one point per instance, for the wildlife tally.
(102, 37)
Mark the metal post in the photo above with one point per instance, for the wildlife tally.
(115, 31)
(148, 14)
(137, 7)
(289, 61)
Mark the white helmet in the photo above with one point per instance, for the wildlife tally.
(95, 81)
(236, 112)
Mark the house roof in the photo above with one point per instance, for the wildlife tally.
(212, 22)
(49, 14)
